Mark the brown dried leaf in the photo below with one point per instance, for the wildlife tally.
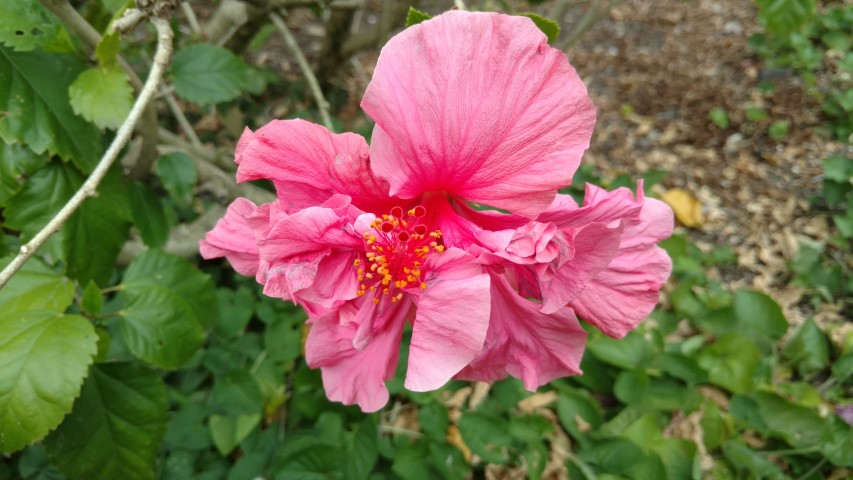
(687, 208)
(537, 401)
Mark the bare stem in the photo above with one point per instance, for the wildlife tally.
(89, 187)
(313, 84)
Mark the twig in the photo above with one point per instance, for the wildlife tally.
(89, 187)
(399, 431)
(148, 127)
(185, 124)
(319, 99)
(191, 18)
(592, 16)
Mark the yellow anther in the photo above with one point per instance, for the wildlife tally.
(399, 296)
(393, 299)
(369, 275)
(360, 271)
(433, 244)
(376, 301)
(411, 279)
(373, 267)
(361, 278)
(356, 262)
(370, 255)
(433, 234)
(386, 282)
(373, 288)
(403, 284)
(359, 293)
(412, 212)
(423, 286)
(384, 291)
(407, 270)
(439, 248)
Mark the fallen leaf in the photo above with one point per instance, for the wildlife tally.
(537, 401)
(454, 437)
(687, 208)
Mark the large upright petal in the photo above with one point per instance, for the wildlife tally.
(233, 239)
(526, 343)
(478, 105)
(309, 164)
(451, 322)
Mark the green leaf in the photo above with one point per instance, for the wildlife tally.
(576, 408)
(102, 96)
(236, 308)
(807, 349)
(616, 455)
(159, 327)
(93, 300)
(16, 162)
(362, 450)
(97, 230)
(731, 362)
(746, 460)
(719, 117)
(178, 174)
(26, 25)
(486, 435)
(759, 317)
(156, 269)
(116, 426)
(415, 16)
(838, 168)
(148, 215)
(781, 17)
(40, 199)
(35, 287)
(778, 130)
(34, 99)
(228, 431)
(44, 356)
(434, 420)
(628, 353)
(208, 74)
(678, 457)
(801, 427)
(237, 393)
(549, 27)
(107, 49)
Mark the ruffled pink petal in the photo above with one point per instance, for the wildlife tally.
(526, 343)
(599, 206)
(308, 164)
(594, 247)
(305, 234)
(233, 239)
(354, 376)
(452, 319)
(478, 105)
(624, 293)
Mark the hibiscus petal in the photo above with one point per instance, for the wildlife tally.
(233, 239)
(452, 320)
(526, 343)
(624, 293)
(594, 247)
(306, 233)
(309, 164)
(355, 376)
(478, 105)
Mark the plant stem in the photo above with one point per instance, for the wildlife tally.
(89, 187)
(313, 84)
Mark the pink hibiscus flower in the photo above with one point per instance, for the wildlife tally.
(469, 108)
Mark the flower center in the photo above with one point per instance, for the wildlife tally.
(397, 248)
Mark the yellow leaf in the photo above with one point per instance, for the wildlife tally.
(687, 208)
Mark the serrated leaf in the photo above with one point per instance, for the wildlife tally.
(38, 201)
(97, 230)
(16, 162)
(415, 16)
(45, 356)
(785, 16)
(35, 287)
(228, 431)
(116, 426)
(102, 95)
(178, 174)
(26, 25)
(208, 74)
(159, 327)
(34, 99)
(107, 49)
(148, 215)
(93, 300)
(550, 28)
(158, 269)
